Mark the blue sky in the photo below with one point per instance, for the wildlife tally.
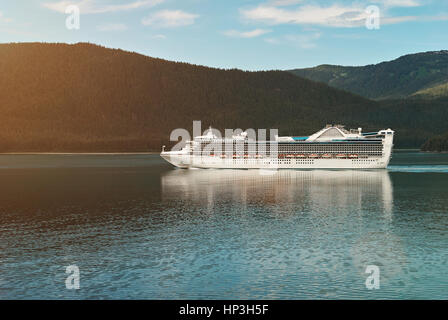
(245, 34)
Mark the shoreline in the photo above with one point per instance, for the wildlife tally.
(439, 152)
(78, 153)
(155, 152)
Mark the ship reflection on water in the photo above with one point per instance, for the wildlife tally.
(317, 227)
(319, 189)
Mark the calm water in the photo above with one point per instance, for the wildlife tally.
(137, 228)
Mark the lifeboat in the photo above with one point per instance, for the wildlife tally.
(313, 155)
(300, 156)
(341, 156)
(222, 156)
(353, 156)
(326, 156)
(289, 156)
(246, 156)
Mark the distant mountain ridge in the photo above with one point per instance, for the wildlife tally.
(87, 98)
(408, 76)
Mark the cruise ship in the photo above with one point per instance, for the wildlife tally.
(333, 147)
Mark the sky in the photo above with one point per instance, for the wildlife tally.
(244, 34)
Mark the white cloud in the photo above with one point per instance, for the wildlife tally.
(304, 41)
(284, 2)
(394, 20)
(435, 18)
(391, 20)
(246, 34)
(331, 16)
(4, 19)
(365, 3)
(336, 16)
(159, 36)
(112, 27)
(96, 6)
(398, 3)
(170, 18)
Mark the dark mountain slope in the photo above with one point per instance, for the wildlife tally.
(399, 78)
(59, 97)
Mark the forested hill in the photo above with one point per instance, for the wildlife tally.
(438, 143)
(83, 97)
(60, 97)
(422, 74)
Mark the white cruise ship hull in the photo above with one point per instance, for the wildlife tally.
(177, 159)
(185, 161)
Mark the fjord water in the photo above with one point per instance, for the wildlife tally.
(137, 228)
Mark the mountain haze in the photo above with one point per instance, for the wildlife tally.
(424, 74)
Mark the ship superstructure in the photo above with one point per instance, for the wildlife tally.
(333, 147)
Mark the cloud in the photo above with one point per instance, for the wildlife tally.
(394, 20)
(414, 18)
(112, 27)
(365, 3)
(435, 18)
(304, 41)
(398, 3)
(336, 15)
(284, 2)
(246, 34)
(4, 19)
(159, 36)
(96, 6)
(169, 19)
